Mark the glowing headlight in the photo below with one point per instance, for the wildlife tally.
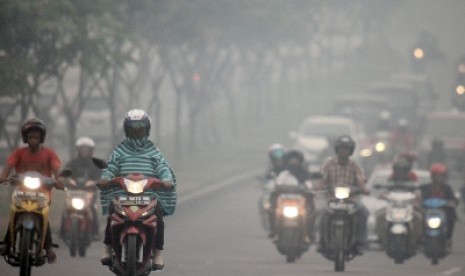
(32, 182)
(366, 152)
(135, 187)
(380, 147)
(341, 192)
(77, 203)
(460, 89)
(419, 53)
(434, 222)
(290, 211)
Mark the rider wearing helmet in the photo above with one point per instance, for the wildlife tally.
(402, 170)
(34, 157)
(276, 156)
(294, 174)
(341, 170)
(438, 188)
(83, 167)
(137, 154)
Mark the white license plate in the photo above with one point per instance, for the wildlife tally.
(134, 200)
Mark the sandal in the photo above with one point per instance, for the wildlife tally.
(156, 267)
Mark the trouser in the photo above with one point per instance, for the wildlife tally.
(360, 227)
(47, 242)
(95, 221)
(160, 237)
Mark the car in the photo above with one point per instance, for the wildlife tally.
(316, 133)
(380, 177)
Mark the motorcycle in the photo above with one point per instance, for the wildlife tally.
(398, 232)
(435, 229)
(29, 219)
(291, 220)
(77, 218)
(338, 239)
(133, 225)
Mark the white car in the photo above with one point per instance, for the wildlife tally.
(373, 203)
(315, 133)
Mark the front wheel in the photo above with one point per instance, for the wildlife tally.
(74, 237)
(434, 251)
(25, 263)
(131, 255)
(339, 256)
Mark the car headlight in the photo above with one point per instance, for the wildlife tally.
(366, 152)
(291, 211)
(380, 147)
(434, 222)
(77, 203)
(32, 182)
(135, 187)
(341, 192)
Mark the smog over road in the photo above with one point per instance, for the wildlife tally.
(230, 88)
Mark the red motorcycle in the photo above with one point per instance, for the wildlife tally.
(133, 225)
(77, 219)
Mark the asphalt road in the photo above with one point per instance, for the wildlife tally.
(218, 232)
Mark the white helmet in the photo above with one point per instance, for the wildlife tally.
(85, 142)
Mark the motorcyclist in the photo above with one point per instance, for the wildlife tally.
(297, 175)
(137, 154)
(341, 170)
(401, 175)
(34, 157)
(83, 167)
(402, 168)
(438, 188)
(437, 153)
(276, 156)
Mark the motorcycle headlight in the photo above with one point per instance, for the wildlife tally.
(77, 203)
(135, 187)
(380, 147)
(460, 89)
(434, 222)
(291, 211)
(32, 182)
(418, 53)
(341, 192)
(366, 152)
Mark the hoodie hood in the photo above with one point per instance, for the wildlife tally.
(137, 144)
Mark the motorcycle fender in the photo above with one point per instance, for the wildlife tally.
(132, 230)
(433, 232)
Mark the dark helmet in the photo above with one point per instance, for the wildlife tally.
(345, 141)
(401, 167)
(294, 154)
(137, 124)
(33, 124)
(438, 169)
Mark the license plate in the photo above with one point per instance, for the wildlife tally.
(32, 196)
(134, 200)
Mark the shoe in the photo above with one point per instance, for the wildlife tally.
(51, 256)
(157, 260)
(358, 249)
(106, 256)
(3, 249)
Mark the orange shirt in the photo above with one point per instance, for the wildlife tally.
(44, 161)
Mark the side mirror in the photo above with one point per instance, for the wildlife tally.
(293, 135)
(66, 173)
(99, 163)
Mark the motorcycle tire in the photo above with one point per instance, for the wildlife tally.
(82, 249)
(399, 243)
(25, 258)
(433, 248)
(290, 258)
(131, 264)
(339, 255)
(74, 237)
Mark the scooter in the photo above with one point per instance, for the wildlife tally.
(435, 229)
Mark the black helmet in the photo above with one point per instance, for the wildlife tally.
(294, 154)
(345, 141)
(401, 167)
(137, 124)
(33, 124)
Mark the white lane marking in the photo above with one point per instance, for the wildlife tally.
(218, 186)
(451, 271)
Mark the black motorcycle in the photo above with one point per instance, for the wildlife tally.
(291, 219)
(337, 232)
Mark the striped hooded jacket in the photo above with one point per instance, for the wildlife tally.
(139, 156)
